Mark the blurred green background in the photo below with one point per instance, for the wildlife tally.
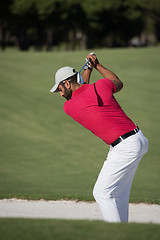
(44, 153)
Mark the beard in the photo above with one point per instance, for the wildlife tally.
(67, 93)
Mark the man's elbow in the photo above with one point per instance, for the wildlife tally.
(119, 86)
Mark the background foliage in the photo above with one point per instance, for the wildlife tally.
(73, 24)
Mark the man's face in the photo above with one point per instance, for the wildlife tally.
(65, 92)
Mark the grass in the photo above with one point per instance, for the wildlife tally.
(52, 229)
(43, 152)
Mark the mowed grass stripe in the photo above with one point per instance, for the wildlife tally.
(67, 229)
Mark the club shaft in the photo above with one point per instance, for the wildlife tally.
(84, 66)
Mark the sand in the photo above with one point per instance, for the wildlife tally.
(17, 208)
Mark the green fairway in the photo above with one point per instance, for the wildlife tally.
(63, 229)
(43, 152)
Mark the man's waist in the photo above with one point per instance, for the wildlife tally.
(124, 136)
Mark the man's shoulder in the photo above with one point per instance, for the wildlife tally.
(105, 83)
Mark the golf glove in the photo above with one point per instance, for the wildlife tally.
(88, 66)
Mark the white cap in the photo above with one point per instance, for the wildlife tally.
(61, 75)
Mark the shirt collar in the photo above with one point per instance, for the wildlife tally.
(79, 90)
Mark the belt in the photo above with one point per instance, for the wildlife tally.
(126, 135)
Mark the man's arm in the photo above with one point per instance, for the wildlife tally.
(106, 73)
(86, 75)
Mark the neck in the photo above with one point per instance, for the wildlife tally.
(76, 86)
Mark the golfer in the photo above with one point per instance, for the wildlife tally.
(95, 107)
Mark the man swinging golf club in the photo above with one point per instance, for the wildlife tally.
(95, 107)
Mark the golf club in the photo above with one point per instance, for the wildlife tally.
(80, 79)
(84, 66)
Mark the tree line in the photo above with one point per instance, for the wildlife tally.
(79, 23)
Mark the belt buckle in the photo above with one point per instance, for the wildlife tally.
(136, 130)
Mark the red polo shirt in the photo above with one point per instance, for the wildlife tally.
(95, 108)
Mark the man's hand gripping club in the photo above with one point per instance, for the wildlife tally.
(106, 73)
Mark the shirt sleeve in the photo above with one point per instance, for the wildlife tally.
(110, 84)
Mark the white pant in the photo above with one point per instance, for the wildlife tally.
(113, 185)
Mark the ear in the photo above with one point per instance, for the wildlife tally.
(67, 84)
